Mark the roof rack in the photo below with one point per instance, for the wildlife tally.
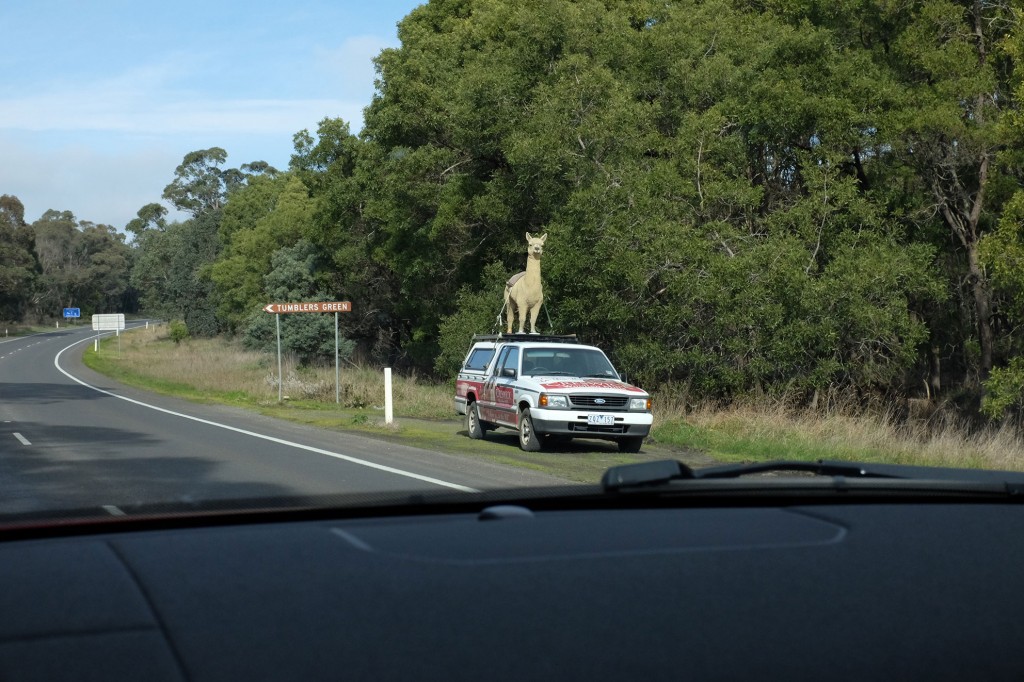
(543, 338)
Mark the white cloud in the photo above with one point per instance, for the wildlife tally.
(64, 113)
(351, 64)
(147, 100)
(104, 147)
(112, 112)
(102, 188)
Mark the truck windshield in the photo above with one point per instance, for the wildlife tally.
(577, 362)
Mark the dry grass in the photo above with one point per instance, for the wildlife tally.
(770, 431)
(226, 369)
(741, 432)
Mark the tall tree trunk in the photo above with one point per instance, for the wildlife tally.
(982, 308)
(967, 230)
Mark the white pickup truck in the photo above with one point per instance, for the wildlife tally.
(549, 387)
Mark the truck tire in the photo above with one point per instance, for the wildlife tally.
(529, 439)
(474, 426)
(630, 443)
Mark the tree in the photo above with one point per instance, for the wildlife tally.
(82, 265)
(703, 169)
(175, 262)
(170, 272)
(944, 73)
(266, 215)
(1002, 250)
(199, 185)
(957, 82)
(18, 266)
(293, 278)
(149, 217)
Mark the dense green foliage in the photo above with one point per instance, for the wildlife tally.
(18, 266)
(292, 277)
(59, 262)
(741, 197)
(177, 331)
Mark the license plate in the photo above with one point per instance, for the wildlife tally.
(601, 419)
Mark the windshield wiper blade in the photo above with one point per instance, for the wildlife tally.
(819, 468)
(664, 471)
(872, 475)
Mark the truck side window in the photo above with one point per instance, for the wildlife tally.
(479, 358)
(501, 361)
(511, 359)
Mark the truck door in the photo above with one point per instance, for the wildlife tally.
(499, 389)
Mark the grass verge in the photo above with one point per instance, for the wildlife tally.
(220, 371)
(765, 432)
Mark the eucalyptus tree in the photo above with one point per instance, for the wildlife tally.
(18, 266)
(174, 261)
(82, 264)
(941, 74)
(268, 214)
(703, 169)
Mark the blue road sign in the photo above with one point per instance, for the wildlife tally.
(72, 312)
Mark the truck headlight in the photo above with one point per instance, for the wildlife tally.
(553, 400)
(639, 403)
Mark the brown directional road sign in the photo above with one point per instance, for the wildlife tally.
(310, 307)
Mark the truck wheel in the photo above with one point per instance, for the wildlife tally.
(630, 443)
(473, 425)
(529, 440)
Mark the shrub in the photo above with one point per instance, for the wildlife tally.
(178, 331)
(1004, 390)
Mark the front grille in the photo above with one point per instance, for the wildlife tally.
(611, 402)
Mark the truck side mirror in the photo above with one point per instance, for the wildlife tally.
(508, 372)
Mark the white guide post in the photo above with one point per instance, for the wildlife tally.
(389, 414)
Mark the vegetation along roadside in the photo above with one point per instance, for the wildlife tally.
(761, 203)
(217, 370)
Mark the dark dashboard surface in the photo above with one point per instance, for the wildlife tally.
(858, 591)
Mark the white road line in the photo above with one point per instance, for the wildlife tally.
(113, 510)
(24, 441)
(280, 441)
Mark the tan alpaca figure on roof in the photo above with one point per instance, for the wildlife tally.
(523, 292)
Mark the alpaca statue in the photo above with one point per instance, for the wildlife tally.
(523, 292)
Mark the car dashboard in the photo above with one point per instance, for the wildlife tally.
(782, 588)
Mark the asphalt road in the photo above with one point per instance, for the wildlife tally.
(71, 438)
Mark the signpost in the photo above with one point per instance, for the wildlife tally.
(113, 322)
(72, 312)
(108, 323)
(335, 307)
(312, 307)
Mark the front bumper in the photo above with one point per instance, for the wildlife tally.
(574, 423)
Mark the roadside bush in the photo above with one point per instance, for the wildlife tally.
(1004, 390)
(178, 331)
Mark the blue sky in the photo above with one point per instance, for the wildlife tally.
(99, 101)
